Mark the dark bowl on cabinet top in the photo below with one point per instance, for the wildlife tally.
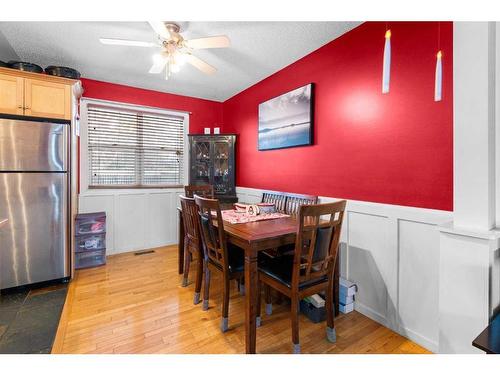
(62, 71)
(25, 66)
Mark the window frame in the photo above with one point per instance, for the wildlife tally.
(84, 153)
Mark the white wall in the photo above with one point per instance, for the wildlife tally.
(136, 219)
(392, 253)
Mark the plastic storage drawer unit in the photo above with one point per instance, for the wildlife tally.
(92, 223)
(90, 240)
(90, 259)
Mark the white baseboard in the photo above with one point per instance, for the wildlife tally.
(432, 346)
(372, 314)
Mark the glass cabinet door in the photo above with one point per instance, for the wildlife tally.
(221, 171)
(200, 165)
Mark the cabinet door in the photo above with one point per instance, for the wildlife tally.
(222, 168)
(11, 95)
(200, 173)
(47, 99)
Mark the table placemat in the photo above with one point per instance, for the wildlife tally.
(235, 217)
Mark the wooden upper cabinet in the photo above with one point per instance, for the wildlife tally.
(47, 99)
(37, 95)
(11, 94)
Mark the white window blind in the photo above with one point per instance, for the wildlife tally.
(128, 148)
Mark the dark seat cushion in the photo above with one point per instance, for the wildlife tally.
(236, 257)
(280, 269)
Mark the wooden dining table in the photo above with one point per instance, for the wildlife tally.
(254, 237)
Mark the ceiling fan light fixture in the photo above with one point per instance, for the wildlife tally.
(173, 66)
(157, 57)
(180, 59)
(176, 51)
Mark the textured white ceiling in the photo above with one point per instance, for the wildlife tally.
(258, 49)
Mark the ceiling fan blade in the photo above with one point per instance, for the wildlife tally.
(160, 28)
(200, 64)
(126, 42)
(159, 63)
(220, 41)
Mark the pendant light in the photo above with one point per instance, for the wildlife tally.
(386, 72)
(438, 84)
(438, 78)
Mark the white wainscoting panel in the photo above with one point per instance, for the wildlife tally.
(368, 260)
(136, 219)
(164, 228)
(130, 221)
(392, 253)
(419, 291)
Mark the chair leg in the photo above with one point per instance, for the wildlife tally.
(267, 295)
(199, 278)
(187, 262)
(295, 324)
(331, 334)
(225, 305)
(258, 320)
(206, 286)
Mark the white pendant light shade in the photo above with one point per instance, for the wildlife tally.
(438, 83)
(386, 73)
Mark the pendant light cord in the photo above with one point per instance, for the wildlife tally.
(439, 36)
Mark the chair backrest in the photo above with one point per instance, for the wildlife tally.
(294, 201)
(317, 241)
(288, 203)
(205, 191)
(191, 220)
(213, 237)
(279, 199)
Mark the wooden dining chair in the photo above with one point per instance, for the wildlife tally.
(277, 198)
(310, 269)
(219, 256)
(205, 191)
(294, 201)
(192, 244)
(288, 203)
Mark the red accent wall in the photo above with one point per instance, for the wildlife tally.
(204, 113)
(394, 148)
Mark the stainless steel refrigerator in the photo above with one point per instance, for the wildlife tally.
(34, 183)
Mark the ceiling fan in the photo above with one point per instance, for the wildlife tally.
(175, 49)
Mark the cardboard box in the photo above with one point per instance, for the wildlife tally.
(344, 299)
(347, 287)
(344, 309)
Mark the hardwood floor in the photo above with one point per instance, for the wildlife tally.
(135, 304)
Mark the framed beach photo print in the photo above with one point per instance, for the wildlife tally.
(287, 120)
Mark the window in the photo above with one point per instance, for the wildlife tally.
(134, 148)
